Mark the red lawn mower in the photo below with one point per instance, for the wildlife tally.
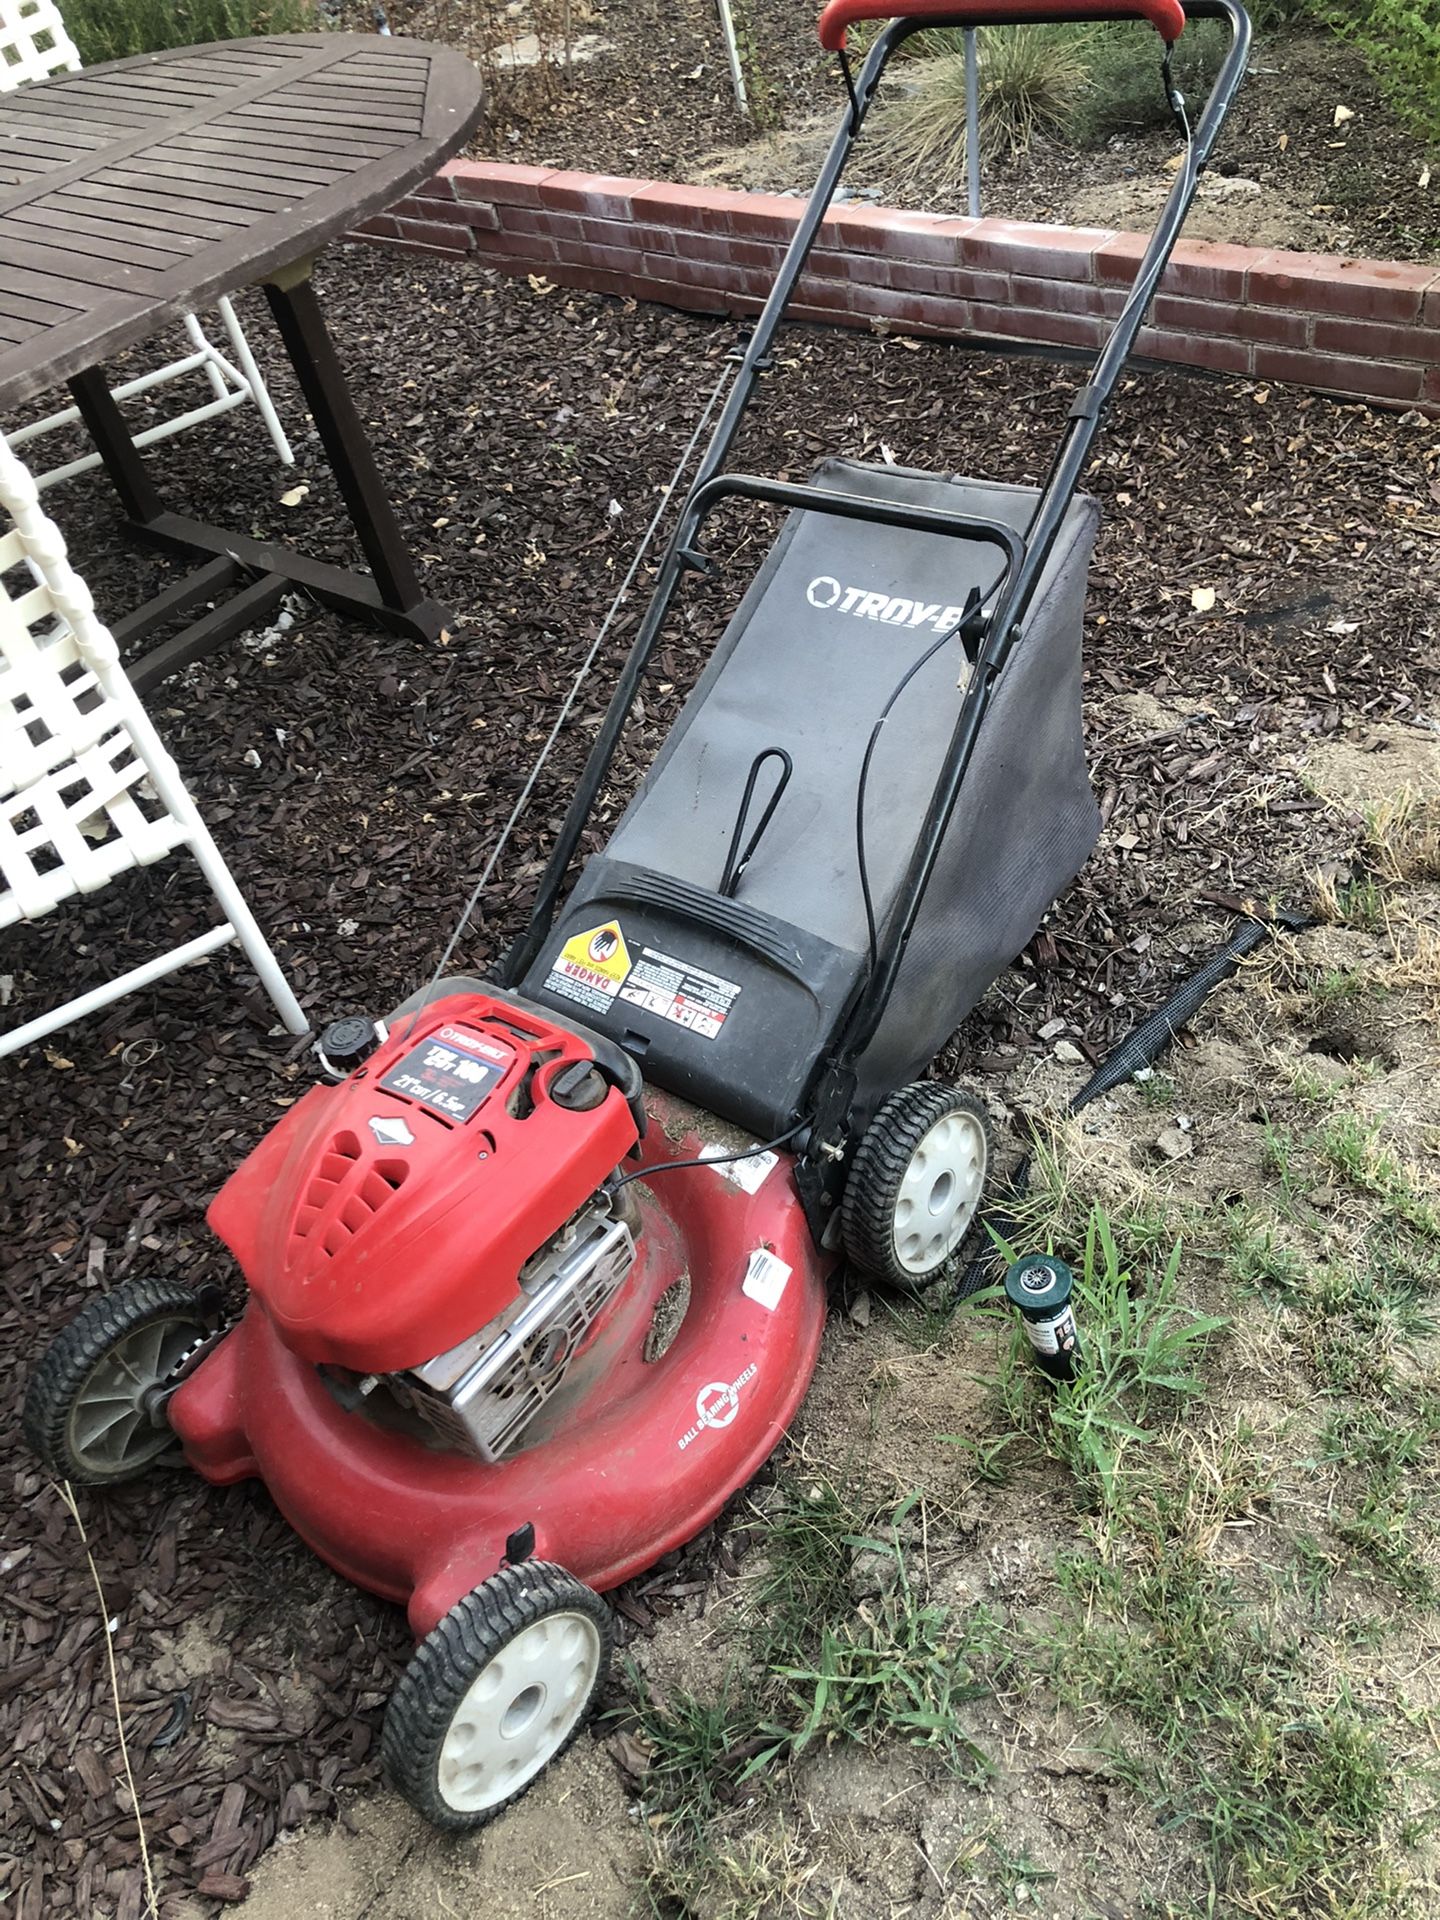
(537, 1276)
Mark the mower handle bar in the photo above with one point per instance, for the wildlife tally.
(1166, 16)
(854, 506)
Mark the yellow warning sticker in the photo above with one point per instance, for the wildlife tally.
(592, 966)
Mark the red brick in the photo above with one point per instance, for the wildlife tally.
(1204, 319)
(670, 293)
(506, 186)
(541, 220)
(722, 250)
(1338, 373)
(473, 214)
(708, 274)
(1430, 392)
(835, 296)
(627, 233)
(620, 260)
(1207, 270)
(954, 283)
(833, 263)
(1221, 356)
(437, 234)
(1430, 314)
(380, 226)
(765, 216)
(898, 236)
(755, 253)
(606, 196)
(1119, 259)
(439, 186)
(695, 209)
(1378, 342)
(517, 246)
(1049, 253)
(1333, 285)
(909, 311)
(1063, 296)
(719, 249)
(1053, 329)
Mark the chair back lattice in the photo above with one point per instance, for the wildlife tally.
(33, 43)
(77, 802)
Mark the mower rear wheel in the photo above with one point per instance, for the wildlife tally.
(496, 1691)
(914, 1188)
(95, 1407)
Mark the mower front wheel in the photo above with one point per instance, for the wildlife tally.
(95, 1407)
(914, 1188)
(496, 1691)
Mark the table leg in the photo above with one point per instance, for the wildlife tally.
(296, 309)
(390, 597)
(118, 452)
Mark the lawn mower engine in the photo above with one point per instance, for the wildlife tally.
(472, 1350)
(439, 1233)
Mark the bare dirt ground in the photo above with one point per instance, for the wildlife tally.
(1157, 1678)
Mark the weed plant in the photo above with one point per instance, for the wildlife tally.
(1139, 1348)
(1031, 81)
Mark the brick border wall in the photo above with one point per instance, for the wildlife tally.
(1362, 328)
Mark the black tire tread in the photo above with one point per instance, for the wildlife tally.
(73, 1354)
(867, 1209)
(446, 1662)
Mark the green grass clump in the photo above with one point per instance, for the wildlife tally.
(1285, 1787)
(848, 1645)
(116, 29)
(897, 1665)
(1387, 1455)
(1353, 1149)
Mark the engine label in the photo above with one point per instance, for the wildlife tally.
(453, 1072)
(592, 967)
(686, 995)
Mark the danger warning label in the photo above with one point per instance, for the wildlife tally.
(689, 996)
(592, 967)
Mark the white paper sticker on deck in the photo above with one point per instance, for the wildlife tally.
(765, 1278)
(592, 967)
(749, 1173)
(688, 996)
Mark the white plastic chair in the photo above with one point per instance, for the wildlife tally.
(87, 790)
(35, 46)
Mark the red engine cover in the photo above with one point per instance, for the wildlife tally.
(386, 1219)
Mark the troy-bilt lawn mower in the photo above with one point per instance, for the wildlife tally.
(527, 1301)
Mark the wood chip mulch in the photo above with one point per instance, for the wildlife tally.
(356, 781)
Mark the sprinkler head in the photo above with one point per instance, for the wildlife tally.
(1040, 1286)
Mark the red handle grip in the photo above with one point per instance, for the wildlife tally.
(1166, 16)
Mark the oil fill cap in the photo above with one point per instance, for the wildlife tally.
(347, 1042)
(580, 1087)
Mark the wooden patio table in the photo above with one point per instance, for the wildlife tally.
(135, 192)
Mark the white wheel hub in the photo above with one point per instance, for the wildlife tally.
(519, 1711)
(940, 1192)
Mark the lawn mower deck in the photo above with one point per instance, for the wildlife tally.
(652, 1415)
